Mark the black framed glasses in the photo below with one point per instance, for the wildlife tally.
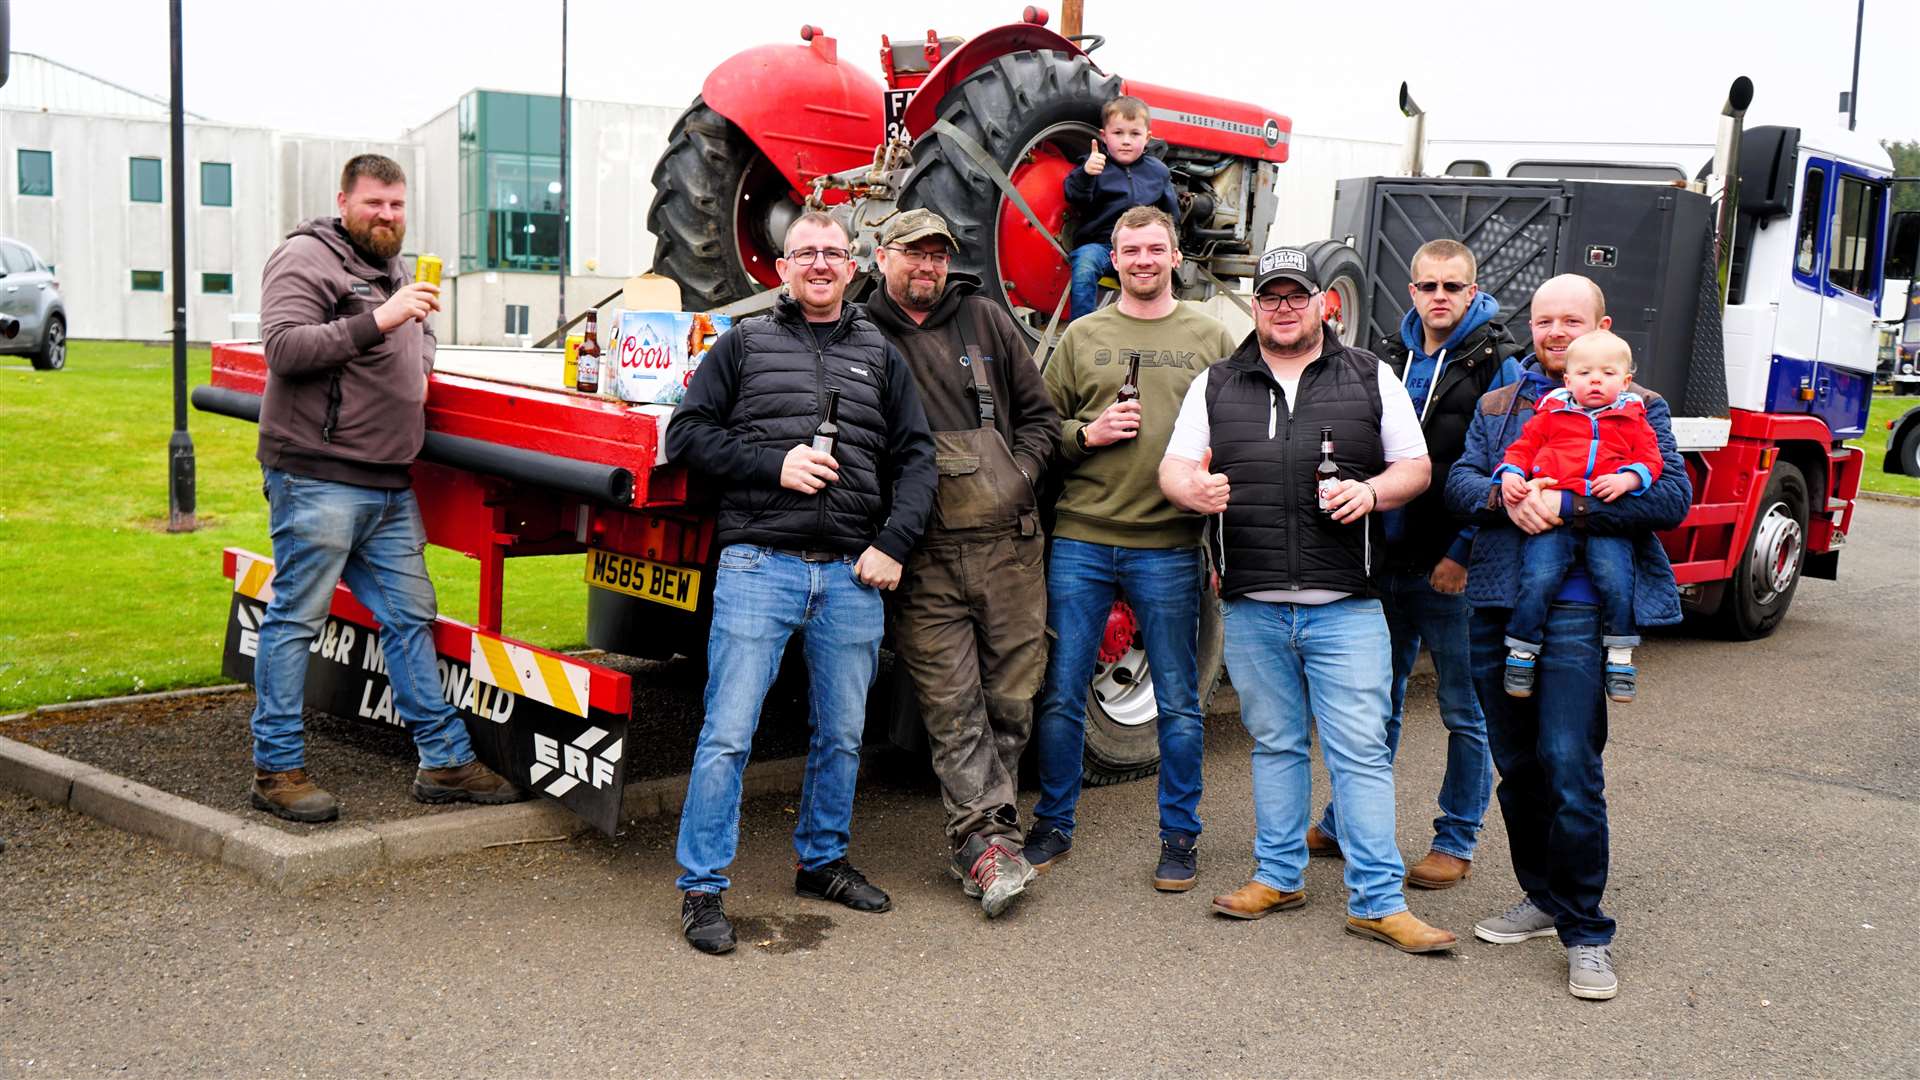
(1272, 301)
(922, 258)
(1453, 287)
(809, 256)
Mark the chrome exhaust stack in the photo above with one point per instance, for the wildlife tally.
(1414, 157)
(1726, 167)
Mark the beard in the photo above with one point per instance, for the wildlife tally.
(377, 240)
(919, 294)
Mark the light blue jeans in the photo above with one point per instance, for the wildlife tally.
(325, 532)
(761, 597)
(1415, 614)
(1296, 664)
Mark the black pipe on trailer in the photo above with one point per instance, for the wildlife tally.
(609, 484)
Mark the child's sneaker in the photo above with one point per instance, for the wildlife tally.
(1620, 679)
(1519, 673)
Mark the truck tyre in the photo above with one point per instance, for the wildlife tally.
(1340, 272)
(1909, 455)
(1013, 106)
(1123, 734)
(719, 211)
(1768, 571)
(52, 353)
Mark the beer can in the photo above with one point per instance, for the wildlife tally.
(427, 268)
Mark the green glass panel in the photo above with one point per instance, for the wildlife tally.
(543, 125)
(217, 284)
(149, 281)
(143, 179)
(504, 125)
(216, 183)
(36, 172)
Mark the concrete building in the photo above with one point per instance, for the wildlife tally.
(84, 181)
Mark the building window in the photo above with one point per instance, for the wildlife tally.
(510, 182)
(216, 183)
(516, 318)
(149, 281)
(143, 179)
(216, 284)
(1853, 258)
(36, 172)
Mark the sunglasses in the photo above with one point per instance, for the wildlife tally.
(1452, 287)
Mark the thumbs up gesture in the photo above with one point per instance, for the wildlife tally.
(1192, 485)
(1096, 161)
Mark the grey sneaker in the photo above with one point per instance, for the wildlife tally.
(992, 871)
(1516, 924)
(1590, 972)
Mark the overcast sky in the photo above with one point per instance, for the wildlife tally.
(1626, 70)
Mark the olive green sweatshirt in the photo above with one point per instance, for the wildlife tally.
(1112, 493)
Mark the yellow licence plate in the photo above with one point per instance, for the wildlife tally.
(674, 586)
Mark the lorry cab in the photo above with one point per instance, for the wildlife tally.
(1805, 288)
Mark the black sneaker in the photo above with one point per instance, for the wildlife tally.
(840, 882)
(704, 922)
(1179, 864)
(1046, 848)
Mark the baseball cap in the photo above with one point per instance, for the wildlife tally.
(1289, 263)
(913, 225)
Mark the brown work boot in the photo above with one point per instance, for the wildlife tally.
(292, 796)
(1439, 870)
(1322, 846)
(1402, 931)
(472, 782)
(1256, 901)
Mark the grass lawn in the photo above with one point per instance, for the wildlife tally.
(1874, 442)
(96, 597)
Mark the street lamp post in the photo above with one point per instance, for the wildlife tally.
(566, 192)
(180, 516)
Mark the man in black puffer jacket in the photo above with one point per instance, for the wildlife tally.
(811, 527)
(1448, 352)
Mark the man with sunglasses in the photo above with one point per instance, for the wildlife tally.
(808, 538)
(1306, 640)
(1450, 350)
(971, 629)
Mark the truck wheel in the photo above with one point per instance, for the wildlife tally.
(1123, 736)
(52, 354)
(1909, 459)
(719, 211)
(1034, 114)
(1768, 570)
(1339, 268)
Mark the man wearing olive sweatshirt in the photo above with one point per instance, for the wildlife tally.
(1117, 537)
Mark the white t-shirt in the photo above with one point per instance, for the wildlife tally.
(1400, 439)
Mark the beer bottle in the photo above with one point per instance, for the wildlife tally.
(828, 433)
(1327, 472)
(1130, 390)
(587, 366)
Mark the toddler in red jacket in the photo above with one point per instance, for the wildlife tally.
(1590, 436)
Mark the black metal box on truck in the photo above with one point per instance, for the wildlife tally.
(1648, 246)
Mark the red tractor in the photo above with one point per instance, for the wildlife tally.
(958, 125)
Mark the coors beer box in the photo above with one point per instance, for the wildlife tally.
(653, 354)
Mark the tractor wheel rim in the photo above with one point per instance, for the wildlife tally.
(759, 216)
(1070, 133)
(1124, 689)
(1775, 561)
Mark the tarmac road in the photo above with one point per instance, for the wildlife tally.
(1766, 831)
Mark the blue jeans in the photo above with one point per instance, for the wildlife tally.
(1090, 263)
(1415, 614)
(1547, 748)
(1162, 585)
(1296, 664)
(1545, 559)
(325, 532)
(760, 598)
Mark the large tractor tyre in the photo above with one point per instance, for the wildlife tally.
(52, 353)
(719, 211)
(1123, 733)
(1027, 110)
(1768, 571)
(1341, 273)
